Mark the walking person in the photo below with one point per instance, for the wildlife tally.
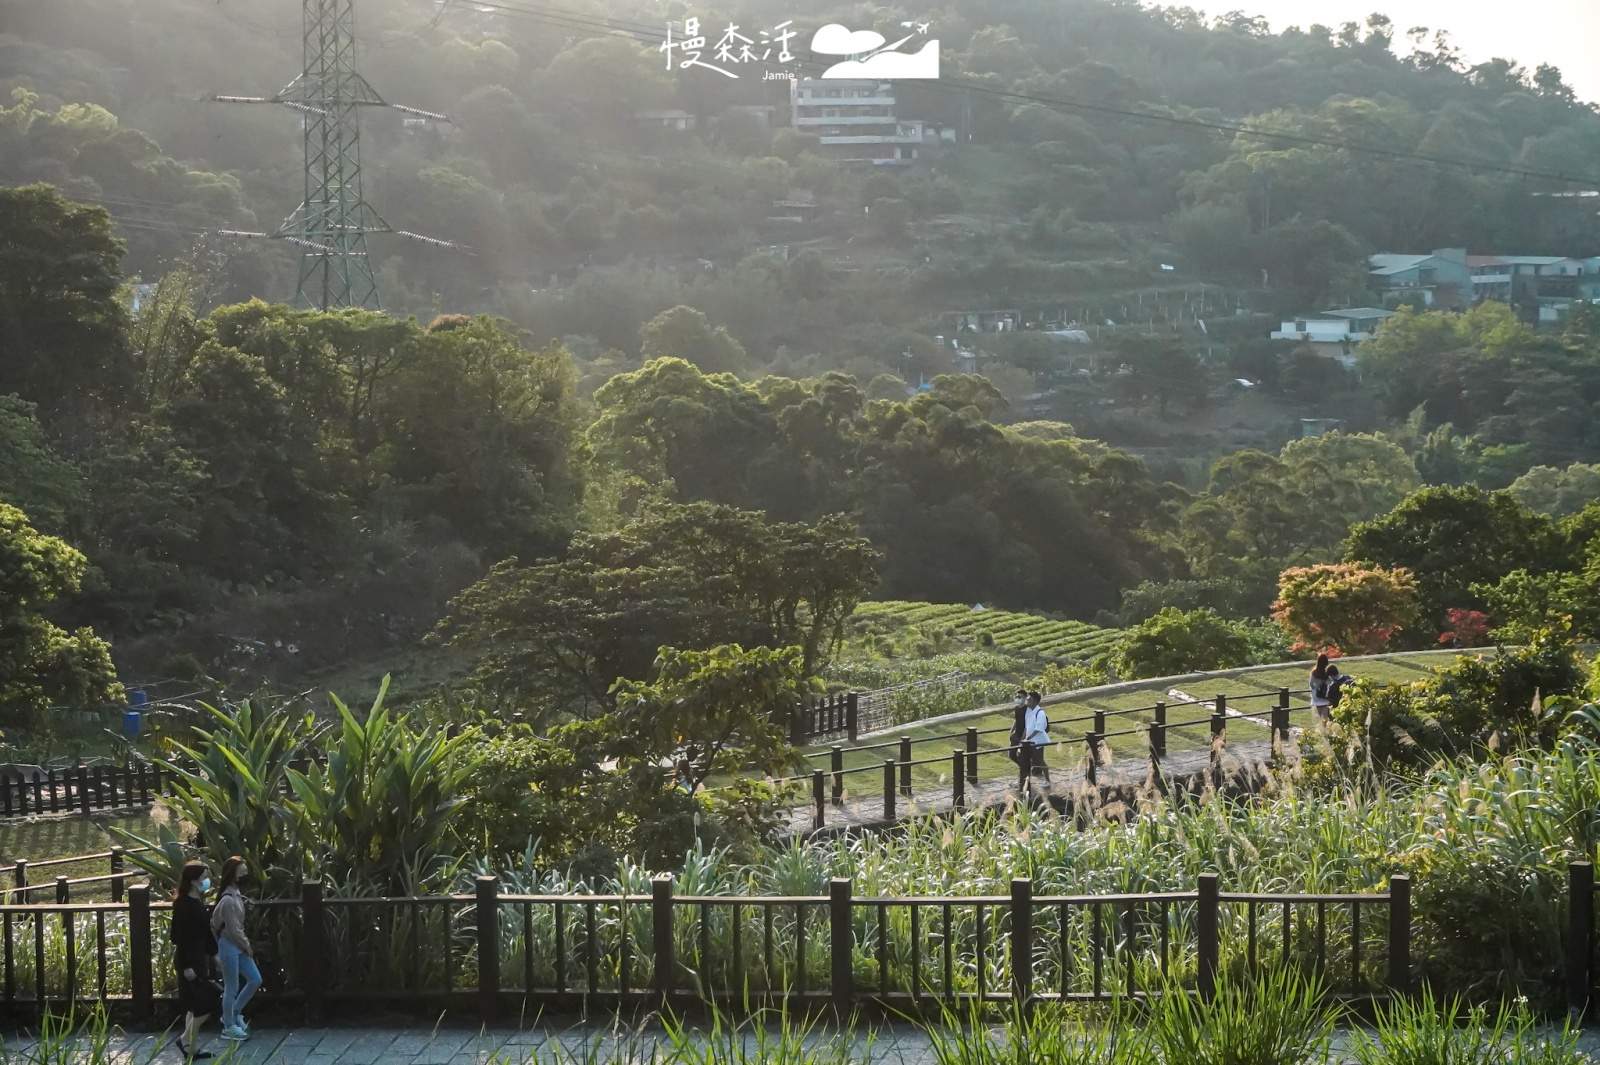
(1321, 689)
(1019, 726)
(240, 976)
(1037, 735)
(194, 954)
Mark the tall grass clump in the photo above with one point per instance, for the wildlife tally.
(1425, 1031)
(1049, 1033)
(1279, 1018)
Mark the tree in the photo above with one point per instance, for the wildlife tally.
(1451, 539)
(724, 710)
(42, 666)
(1162, 368)
(684, 333)
(1558, 492)
(558, 635)
(1344, 608)
(1174, 641)
(60, 322)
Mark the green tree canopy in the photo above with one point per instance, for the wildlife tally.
(42, 666)
(1453, 539)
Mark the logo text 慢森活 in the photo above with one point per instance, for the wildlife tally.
(866, 52)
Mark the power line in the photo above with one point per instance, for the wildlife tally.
(333, 221)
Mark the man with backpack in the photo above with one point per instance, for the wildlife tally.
(1036, 734)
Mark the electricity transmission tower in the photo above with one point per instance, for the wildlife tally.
(332, 223)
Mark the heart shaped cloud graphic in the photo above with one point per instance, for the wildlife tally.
(834, 39)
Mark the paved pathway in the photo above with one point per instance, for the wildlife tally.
(1118, 783)
(890, 1045)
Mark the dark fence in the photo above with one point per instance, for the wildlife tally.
(114, 881)
(82, 788)
(828, 783)
(492, 954)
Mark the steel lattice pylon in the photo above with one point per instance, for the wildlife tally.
(332, 222)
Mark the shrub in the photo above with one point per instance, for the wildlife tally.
(1348, 608)
(1177, 642)
(1475, 705)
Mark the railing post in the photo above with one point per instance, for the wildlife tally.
(1158, 732)
(841, 944)
(63, 891)
(666, 950)
(1280, 716)
(1219, 717)
(20, 879)
(1208, 928)
(836, 763)
(1580, 936)
(972, 755)
(116, 867)
(1400, 934)
(1091, 770)
(819, 797)
(314, 961)
(888, 789)
(488, 909)
(1022, 942)
(142, 987)
(852, 717)
(83, 789)
(5, 796)
(55, 795)
(958, 779)
(905, 766)
(797, 728)
(1100, 721)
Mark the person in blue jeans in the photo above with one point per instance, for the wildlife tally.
(240, 976)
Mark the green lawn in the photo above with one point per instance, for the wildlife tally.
(1072, 717)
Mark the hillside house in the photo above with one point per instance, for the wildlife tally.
(1442, 278)
(1335, 333)
(857, 121)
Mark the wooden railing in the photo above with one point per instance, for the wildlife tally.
(81, 788)
(496, 954)
(828, 783)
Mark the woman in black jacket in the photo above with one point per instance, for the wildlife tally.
(194, 954)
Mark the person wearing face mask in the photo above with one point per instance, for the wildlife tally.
(240, 976)
(195, 956)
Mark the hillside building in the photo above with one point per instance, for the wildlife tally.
(856, 121)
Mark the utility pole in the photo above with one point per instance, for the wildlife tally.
(333, 220)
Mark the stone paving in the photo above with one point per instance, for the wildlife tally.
(889, 1045)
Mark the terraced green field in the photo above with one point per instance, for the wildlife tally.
(1011, 631)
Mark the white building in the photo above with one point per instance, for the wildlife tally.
(856, 120)
(1335, 333)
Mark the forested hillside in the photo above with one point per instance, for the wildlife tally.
(1088, 159)
(625, 395)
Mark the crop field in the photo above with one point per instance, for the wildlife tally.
(1011, 631)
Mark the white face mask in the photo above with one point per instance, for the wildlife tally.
(205, 885)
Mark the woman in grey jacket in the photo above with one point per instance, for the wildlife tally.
(240, 976)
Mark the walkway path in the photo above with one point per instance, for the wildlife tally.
(891, 1045)
(1120, 783)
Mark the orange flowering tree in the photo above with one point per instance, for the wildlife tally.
(1345, 608)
